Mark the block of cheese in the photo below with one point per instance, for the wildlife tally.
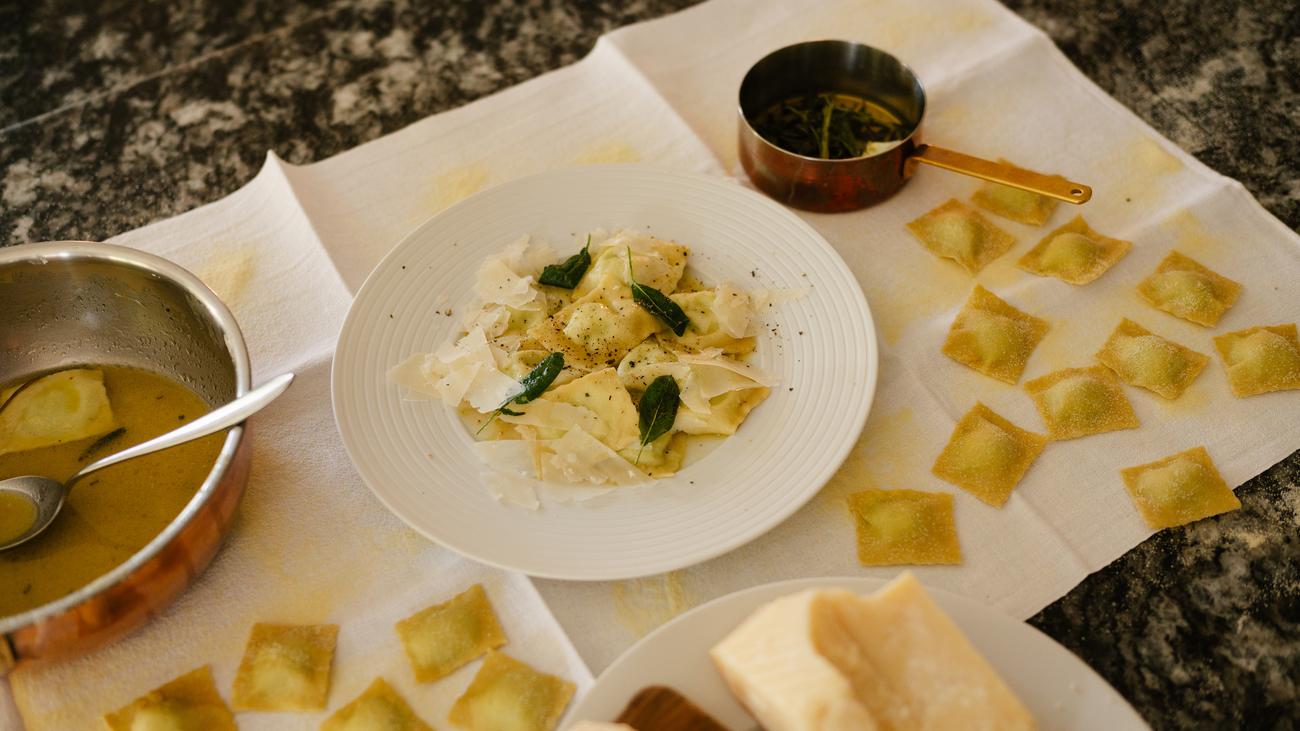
(827, 659)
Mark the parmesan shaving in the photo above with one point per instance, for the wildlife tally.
(734, 311)
(466, 371)
(497, 284)
(580, 458)
(556, 415)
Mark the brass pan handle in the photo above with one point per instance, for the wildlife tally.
(1053, 186)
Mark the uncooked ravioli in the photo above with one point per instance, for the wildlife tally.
(1179, 489)
(993, 337)
(1077, 402)
(956, 231)
(1143, 359)
(897, 527)
(1074, 253)
(987, 455)
(1261, 359)
(1184, 288)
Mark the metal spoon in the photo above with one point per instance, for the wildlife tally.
(48, 495)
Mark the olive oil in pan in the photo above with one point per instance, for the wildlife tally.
(830, 126)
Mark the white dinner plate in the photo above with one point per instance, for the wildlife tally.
(416, 457)
(1060, 691)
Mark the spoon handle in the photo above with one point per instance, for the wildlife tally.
(1053, 186)
(214, 421)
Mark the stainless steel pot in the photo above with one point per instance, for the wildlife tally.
(70, 303)
(818, 184)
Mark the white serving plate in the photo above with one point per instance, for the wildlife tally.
(415, 455)
(1060, 691)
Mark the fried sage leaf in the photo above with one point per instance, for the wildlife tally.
(534, 385)
(658, 410)
(656, 303)
(568, 273)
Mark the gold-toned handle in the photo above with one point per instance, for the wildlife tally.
(1053, 186)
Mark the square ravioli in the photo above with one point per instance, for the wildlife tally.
(379, 708)
(446, 636)
(987, 455)
(992, 337)
(1077, 402)
(899, 527)
(1143, 359)
(1179, 489)
(1013, 203)
(1261, 359)
(956, 231)
(508, 695)
(1184, 288)
(188, 703)
(285, 668)
(1074, 253)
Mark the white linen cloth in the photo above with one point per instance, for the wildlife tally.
(289, 249)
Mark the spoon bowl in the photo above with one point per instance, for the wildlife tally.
(48, 495)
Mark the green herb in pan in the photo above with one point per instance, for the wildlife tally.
(828, 126)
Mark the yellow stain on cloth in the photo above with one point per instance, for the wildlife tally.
(227, 274)
(1139, 171)
(457, 184)
(607, 151)
(892, 453)
(644, 604)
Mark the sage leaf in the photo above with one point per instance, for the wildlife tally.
(534, 385)
(657, 410)
(568, 273)
(656, 303)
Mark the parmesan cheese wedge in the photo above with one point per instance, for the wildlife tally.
(829, 660)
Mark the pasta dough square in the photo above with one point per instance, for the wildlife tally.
(992, 337)
(1077, 402)
(987, 455)
(1261, 359)
(1179, 489)
(1184, 288)
(1074, 253)
(898, 527)
(508, 695)
(379, 707)
(188, 703)
(1013, 203)
(446, 636)
(1143, 359)
(956, 231)
(285, 668)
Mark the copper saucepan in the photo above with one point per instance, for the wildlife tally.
(72, 303)
(817, 184)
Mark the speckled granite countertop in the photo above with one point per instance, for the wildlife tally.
(114, 114)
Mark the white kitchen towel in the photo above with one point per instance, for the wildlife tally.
(664, 93)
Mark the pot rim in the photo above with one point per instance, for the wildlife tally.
(911, 134)
(235, 345)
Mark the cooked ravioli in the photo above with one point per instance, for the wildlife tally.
(1077, 402)
(897, 527)
(602, 394)
(285, 668)
(442, 638)
(597, 330)
(987, 455)
(508, 695)
(188, 703)
(1143, 359)
(1261, 359)
(725, 413)
(1179, 489)
(379, 708)
(956, 231)
(635, 371)
(55, 409)
(658, 264)
(714, 321)
(1074, 253)
(661, 458)
(993, 337)
(1184, 288)
(1014, 203)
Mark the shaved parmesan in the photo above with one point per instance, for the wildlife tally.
(557, 416)
(466, 371)
(580, 458)
(497, 284)
(733, 310)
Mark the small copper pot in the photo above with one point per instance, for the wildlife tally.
(73, 303)
(830, 186)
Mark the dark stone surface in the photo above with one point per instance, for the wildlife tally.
(118, 113)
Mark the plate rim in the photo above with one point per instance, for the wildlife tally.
(854, 583)
(733, 186)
